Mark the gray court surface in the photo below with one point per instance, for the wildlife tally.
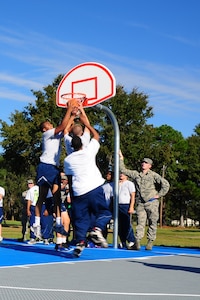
(158, 274)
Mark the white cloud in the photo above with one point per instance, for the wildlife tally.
(170, 88)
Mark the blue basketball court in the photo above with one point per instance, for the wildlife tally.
(14, 253)
(40, 272)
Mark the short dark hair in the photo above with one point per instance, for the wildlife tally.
(76, 143)
(42, 124)
(41, 127)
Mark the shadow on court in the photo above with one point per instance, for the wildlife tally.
(171, 267)
(39, 249)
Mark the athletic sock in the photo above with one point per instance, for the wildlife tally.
(64, 239)
(59, 240)
(37, 221)
(58, 221)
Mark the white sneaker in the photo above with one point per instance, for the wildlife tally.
(37, 231)
(97, 237)
(131, 246)
(32, 242)
(46, 242)
(1, 239)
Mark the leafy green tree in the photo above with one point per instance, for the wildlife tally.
(132, 112)
(22, 139)
(167, 147)
(191, 174)
(185, 189)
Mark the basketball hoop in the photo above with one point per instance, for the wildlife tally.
(75, 97)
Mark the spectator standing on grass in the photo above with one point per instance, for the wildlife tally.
(2, 195)
(47, 220)
(150, 186)
(32, 198)
(65, 211)
(108, 192)
(24, 219)
(126, 209)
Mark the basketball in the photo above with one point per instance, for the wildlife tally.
(74, 102)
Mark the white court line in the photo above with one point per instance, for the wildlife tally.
(75, 260)
(99, 292)
(84, 261)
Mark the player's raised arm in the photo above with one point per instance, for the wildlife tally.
(85, 121)
(66, 119)
(70, 124)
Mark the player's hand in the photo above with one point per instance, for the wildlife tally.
(81, 109)
(73, 105)
(131, 210)
(45, 213)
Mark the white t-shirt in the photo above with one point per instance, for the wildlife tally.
(33, 194)
(85, 138)
(108, 191)
(126, 188)
(82, 166)
(51, 147)
(2, 194)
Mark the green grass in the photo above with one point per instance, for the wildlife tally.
(166, 236)
(174, 236)
(12, 229)
(179, 237)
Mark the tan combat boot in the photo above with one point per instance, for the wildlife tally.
(149, 245)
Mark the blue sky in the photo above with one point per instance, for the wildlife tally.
(150, 45)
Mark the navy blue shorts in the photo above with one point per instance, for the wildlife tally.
(63, 207)
(1, 215)
(47, 174)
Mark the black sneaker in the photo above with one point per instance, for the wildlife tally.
(62, 247)
(78, 249)
(57, 246)
(65, 245)
(50, 241)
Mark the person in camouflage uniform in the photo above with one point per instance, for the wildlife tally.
(150, 186)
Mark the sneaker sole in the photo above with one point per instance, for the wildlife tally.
(77, 251)
(95, 240)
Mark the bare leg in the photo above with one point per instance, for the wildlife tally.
(43, 190)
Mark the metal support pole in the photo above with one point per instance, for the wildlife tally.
(161, 199)
(116, 169)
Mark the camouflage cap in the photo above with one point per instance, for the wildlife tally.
(30, 181)
(148, 160)
(64, 177)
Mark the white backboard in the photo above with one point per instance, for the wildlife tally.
(91, 78)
